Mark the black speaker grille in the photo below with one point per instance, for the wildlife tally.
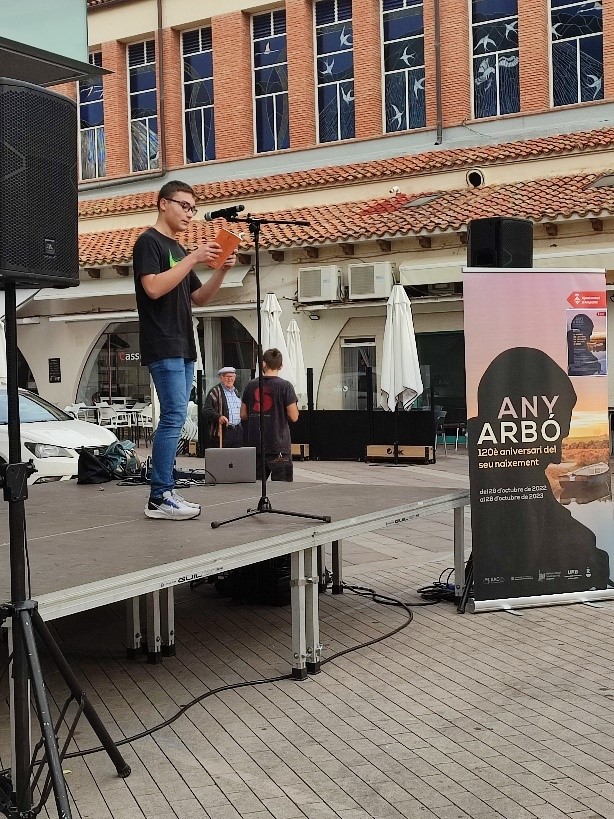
(38, 186)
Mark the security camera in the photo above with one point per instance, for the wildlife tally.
(395, 189)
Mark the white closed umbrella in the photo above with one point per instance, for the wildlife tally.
(295, 359)
(273, 335)
(401, 382)
(3, 364)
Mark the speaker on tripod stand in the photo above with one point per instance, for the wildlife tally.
(38, 248)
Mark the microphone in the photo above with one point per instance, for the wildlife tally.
(225, 213)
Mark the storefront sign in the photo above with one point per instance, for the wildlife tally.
(538, 436)
(55, 373)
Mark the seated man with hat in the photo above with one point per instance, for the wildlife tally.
(222, 409)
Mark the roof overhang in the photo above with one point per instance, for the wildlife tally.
(124, 286)
(35, 65)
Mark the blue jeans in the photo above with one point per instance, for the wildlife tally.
(172, 379)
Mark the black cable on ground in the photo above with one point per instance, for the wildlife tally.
(441, 591)
(382, 599)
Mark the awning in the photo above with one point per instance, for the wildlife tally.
(124, 286)
(450, 270)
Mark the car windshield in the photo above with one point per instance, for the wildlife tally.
(31, 408)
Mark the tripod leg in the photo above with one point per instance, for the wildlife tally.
(44, 716)
(122, 768)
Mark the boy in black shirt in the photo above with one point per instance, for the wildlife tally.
(279, 405)
(166, 286)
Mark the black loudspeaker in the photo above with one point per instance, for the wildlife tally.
(500, 242)
(38, 187)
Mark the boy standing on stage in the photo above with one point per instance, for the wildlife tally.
(279, 406)
(166, 286)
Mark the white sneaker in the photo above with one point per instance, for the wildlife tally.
(182, 500)
(170, 508)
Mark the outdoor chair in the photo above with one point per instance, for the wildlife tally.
(440, 417)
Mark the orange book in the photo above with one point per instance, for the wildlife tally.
(229, 242)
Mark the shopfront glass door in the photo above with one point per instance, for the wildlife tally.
(356, 356)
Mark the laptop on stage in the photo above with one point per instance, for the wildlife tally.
(232, 465)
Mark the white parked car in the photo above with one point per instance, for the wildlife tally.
(50, 437)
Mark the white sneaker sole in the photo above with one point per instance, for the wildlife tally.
(160, 514)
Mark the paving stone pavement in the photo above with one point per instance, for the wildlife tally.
(452, 717)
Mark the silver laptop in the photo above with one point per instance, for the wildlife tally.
(231, 465)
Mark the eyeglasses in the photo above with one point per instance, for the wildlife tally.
(185, 206)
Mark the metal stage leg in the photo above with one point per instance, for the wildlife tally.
(134, 636)
(337, 567)
(167, 621)
(154, 637)
(312, 623)
(459, 552)
(297, 597)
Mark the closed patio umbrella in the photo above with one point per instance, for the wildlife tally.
(295, 359)
(3, 369)
(401, 382)
(273, 335)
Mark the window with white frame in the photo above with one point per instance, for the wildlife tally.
(335, 70)
(271, 81)
(143, 106)
(404, 76)
(496, 61)
(91, 123)
(198, 95)
(577, 51)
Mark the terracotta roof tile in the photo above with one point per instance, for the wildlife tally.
(412, 165)
(539, 200)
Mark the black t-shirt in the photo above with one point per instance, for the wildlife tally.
(278, 394)
(165, 324)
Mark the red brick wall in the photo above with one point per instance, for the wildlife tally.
(116, 109)
(455, 75)
(533, 44)
(171, 86)
(68, 89)
(232, 85)
(301, 83)
(367, 69)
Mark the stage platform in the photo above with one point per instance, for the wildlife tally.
(91, 545)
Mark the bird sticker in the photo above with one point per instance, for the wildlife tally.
(418, 85)
(397, 119)
(345, 40)
(596, 84)
(348, 96)
(406, 57)
(484, 41)
(485, 74)
(511, 28)
(328, 67)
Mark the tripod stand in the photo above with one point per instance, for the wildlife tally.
(26, 622)
(254, 224)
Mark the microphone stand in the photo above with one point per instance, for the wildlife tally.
(254, 224)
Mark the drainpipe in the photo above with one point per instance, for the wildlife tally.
(161, 107)
(438, 105)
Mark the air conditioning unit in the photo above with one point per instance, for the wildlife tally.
(319, 283)
(370, 281)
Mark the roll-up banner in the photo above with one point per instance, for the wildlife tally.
(538, 436)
